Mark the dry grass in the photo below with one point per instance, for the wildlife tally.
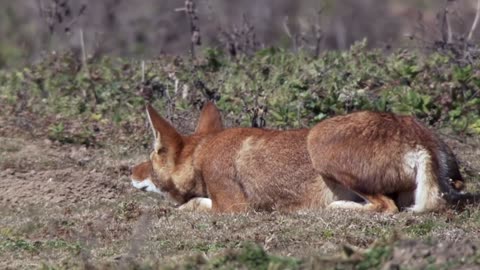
(69, 207)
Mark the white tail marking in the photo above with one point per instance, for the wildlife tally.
(427, 193)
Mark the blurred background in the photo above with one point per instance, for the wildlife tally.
(149, 28)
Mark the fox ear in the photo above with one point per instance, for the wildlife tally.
(210, 119)
(166, 137)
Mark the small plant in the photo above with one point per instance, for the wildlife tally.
(374, 258)
(58, 133)
(251, 256)
(422, 229)
(129, 210)
(19, 244)
(328, 234)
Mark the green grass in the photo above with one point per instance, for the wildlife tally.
(375, 258)
(208, 247)
(250, 256)
(423, 228)
(20, 244)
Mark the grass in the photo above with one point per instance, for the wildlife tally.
(18, 244)
(375, 258)
(423, 228)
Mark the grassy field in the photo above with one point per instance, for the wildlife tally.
(67, 206)
(67, 138)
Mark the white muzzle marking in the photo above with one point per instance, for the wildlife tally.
(146, 185)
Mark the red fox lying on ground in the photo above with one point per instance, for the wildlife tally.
(366, 160)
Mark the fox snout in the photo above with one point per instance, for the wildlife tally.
(145, 185)
(141, 177)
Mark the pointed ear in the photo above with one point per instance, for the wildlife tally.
(210, 119)
(166, 137)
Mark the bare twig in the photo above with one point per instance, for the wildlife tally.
(292, 37)
(446, 27)
(84, 61)
(475, 22)
(317, 32)
(84, 53)
(449, 27)
(40, 7)
(318, 39)
(143, 71)
(286, 28)
(191, 12)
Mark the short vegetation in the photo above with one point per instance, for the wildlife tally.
(294, 89)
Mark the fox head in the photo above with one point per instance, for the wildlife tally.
(170, 170)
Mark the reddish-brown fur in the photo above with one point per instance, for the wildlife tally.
(247, 168)
(369, 152)
(142, 171)
(365, 151)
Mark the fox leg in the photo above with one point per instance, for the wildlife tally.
(208, 205)
(381, 203)
(374, 203)
(197, 205)
(233, 204)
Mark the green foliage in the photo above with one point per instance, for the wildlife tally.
(375, 258)
(298, 90)
(462, 74)
(252, 257)
(411, 102)
(328, 233)
(406, 66)
(58, 133)
(215, 60)
(422, 229)
(20, 244)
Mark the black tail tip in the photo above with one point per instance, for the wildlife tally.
(461, 199)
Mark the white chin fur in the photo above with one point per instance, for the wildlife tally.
(146, 185)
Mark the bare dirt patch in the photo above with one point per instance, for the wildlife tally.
(40, 173)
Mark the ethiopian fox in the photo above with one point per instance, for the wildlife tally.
(366, 160)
